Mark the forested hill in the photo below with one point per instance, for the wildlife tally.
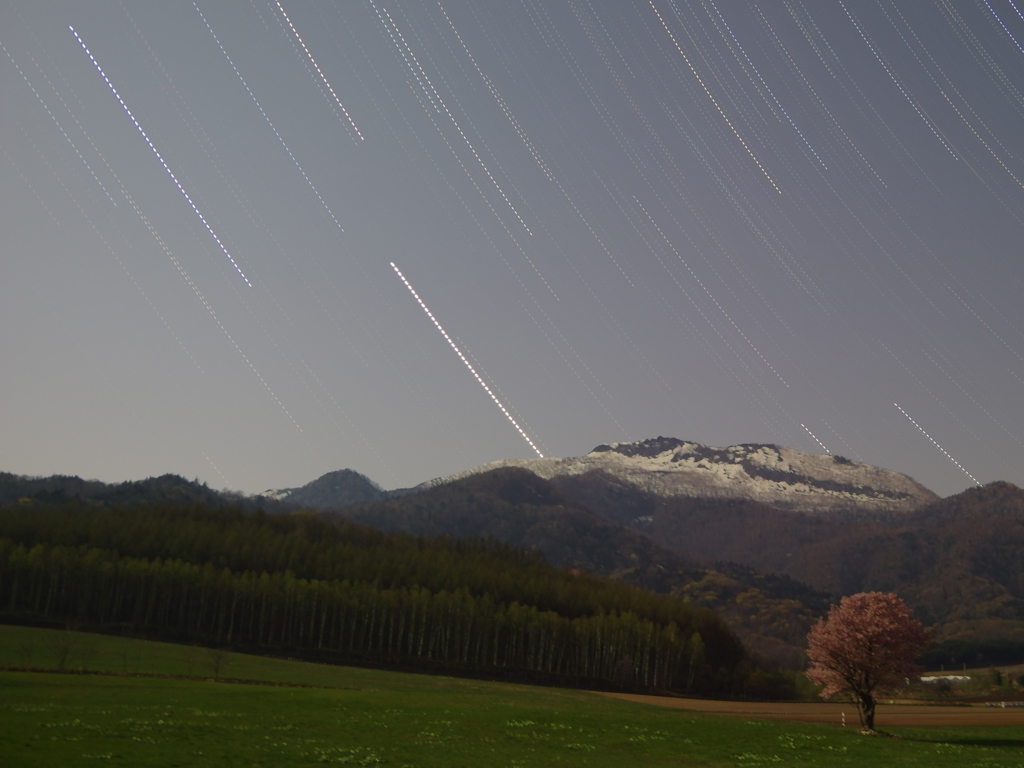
(304, 584)
(516, 506)
(998, 499)
(957, 561)
(772, 614)
(166, 489)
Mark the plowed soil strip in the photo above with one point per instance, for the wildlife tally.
(887, 715)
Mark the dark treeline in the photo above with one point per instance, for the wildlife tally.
(166, 489)
(333, 589)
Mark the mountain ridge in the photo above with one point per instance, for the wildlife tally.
(783, 478)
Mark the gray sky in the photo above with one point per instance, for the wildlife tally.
(731, 222)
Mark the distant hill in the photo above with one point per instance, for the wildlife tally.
(739, 530)
(517, 507)
(784, 478)
(331, 491)
(166, 489)
(999, 498)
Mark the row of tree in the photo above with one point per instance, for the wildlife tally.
(470, 607)
(317, 547)
(357, 621)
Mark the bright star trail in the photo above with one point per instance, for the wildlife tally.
(166, 167)
(319, 71)
(944, 453)
(462, 357)
(722, 222)
(815, 439)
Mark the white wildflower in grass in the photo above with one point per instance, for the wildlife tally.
(750, 758)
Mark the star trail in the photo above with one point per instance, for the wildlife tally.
(727, 223)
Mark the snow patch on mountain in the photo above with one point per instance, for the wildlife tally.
(277, 494)
(782, 477)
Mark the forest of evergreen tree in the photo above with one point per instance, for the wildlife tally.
(329, 589)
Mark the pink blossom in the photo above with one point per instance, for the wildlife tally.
(865, 647)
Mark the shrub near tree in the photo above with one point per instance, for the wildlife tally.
(866, 647)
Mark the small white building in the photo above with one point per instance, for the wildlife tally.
(926, 679)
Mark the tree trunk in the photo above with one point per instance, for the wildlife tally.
(866, 709)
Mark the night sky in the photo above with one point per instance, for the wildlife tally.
(785, 222)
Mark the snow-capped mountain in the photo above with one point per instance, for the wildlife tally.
(782, 477)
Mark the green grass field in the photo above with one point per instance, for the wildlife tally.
(369, 717)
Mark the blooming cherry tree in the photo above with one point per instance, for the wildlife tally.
(865, 647)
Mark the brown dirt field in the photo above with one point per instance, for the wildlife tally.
(887, 715)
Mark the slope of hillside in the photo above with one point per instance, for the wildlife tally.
(771, 614)
(958, 561)
(999, 498)
(517, 507)
(737, 530)
(781, 477)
